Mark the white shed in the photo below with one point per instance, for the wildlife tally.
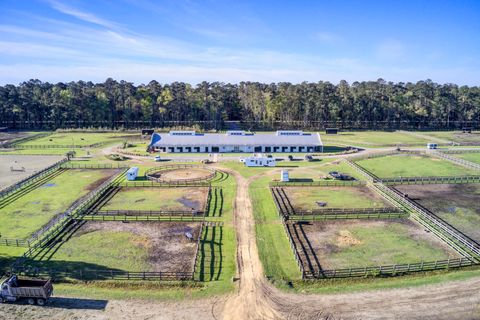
(284, 176)
(132, 173)
(432, 146)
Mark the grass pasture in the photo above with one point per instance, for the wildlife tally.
(457, 204)
(159, 199)
(404, 165)
(134, 246)
(471, 156)
(372, 139)
(79, 139)
(339, 244)
(305, 198)
(28, 210)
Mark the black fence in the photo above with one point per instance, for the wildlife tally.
(161, 184)
(104, 274)
(326, 183)
(71, 165)
(392, 270)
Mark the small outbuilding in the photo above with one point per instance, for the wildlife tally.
(284, 176)
(132, 173)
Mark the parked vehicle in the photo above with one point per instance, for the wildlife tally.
(157, 159)
(308, 157)
(34, 291)
(290, 157)
(340, 176)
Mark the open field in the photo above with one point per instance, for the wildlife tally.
(456, 136)
(305, 198)
(358, 243)
(404, 165)
(457, 204)
(80, 139)
(31, 164)
(134, 246)
(151, 198)
(30, 209)
(373, 139)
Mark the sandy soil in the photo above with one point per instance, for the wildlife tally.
(31, 164)
(182, 174)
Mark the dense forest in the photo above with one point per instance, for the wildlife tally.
(121, 104)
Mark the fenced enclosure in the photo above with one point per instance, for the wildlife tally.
(151, 174)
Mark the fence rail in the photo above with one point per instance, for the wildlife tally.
(55, 146)
(161, 184)
(186, 218)
(459, 161)
(346, 216)
(430, 180)
(326, 183)
(87, 274)
(94, 166)
(391, 270)
(149, 212)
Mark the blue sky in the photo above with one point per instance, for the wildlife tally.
(232, 41)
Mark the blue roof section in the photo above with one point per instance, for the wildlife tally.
(260, 139)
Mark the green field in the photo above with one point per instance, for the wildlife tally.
(24, 213)
(80, 139)
(356, 243)
(412, 166)
(136, 246)
(150, 198)
(374, 139)
(305, 198)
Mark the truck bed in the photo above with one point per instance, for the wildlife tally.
(33, 288)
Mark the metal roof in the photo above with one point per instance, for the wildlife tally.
(260, 139)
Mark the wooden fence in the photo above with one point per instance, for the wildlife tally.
(55, 146)
(431, 180)
(459, 161)
(170, 218)
(326, 183)
(150, 212)
(391, 270)
(349, 213)
(94, 166)
(103, 274)
(161, 184)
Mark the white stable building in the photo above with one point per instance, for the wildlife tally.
(237, 141)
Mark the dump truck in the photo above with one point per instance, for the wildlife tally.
(34, 291)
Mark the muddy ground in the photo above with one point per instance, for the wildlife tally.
(167, 245)
(31, 164)
(457, 204)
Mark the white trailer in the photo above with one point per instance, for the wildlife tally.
(259, 161)
(132, 173)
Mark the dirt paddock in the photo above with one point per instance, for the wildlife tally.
(168, 248)
(457, 204)
(338, 244)
(31, 164)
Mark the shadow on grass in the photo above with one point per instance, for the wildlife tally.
(73, 303)
(211, 256)
(301, 180)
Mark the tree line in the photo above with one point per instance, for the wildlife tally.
(121, 104)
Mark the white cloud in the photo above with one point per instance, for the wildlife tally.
(81, 15)
(326, 37)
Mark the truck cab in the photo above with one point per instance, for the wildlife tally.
(35, 291)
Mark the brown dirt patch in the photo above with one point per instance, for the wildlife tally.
(107, 174)
(183, 174)
(346, 239)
